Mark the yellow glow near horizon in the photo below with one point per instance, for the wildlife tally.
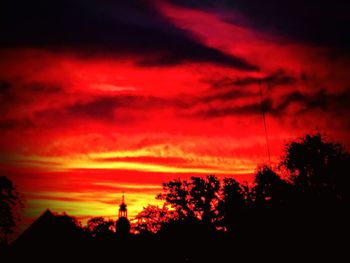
(231, 165)
(85, 207)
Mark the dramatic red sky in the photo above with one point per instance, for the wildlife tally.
(103, 98)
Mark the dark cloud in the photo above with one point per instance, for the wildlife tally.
(100, 108)
(30, 87)
(322, 22)
(229, 94)
(6, 96)
(105, 28)
(16, 124)
(230, 89)
(197, 53)
(278, 78)
(321, 100)
(249, 109)
(121, 108)
(13, 94)
(8, 124)
(5, 86)
(327, 102)
(126, 108)
(43, 88)
(5, 90)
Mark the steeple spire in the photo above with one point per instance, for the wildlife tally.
(123, 211)
(123, 225)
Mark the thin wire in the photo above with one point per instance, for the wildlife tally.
(265, 126)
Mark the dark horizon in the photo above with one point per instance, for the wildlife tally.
(304, 200)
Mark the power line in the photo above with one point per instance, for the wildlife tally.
(264, 119)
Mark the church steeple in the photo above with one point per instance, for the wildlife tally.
(123, 211)
(122, 225)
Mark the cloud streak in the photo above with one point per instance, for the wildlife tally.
(133, 28)
(317, 22)
(293, 104)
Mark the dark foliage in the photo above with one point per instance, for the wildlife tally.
(298, 216)
(10, 202)
(99, 227)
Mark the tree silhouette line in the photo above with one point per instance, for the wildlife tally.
(297, 209)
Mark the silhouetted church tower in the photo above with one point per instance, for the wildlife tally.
(122, 225)
(123, 211)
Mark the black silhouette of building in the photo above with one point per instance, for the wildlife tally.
(50, 232)
(122, 225)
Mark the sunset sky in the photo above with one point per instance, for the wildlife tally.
(104, 97)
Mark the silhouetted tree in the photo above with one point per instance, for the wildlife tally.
(100, 227)
(301, 212)
(204, 197)
(10, 202)
(197, 198)
(318, 172)
(269, 188)
(176, 194)
(319, 169)
(231, 207)
(151, 218)
(270, 198)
